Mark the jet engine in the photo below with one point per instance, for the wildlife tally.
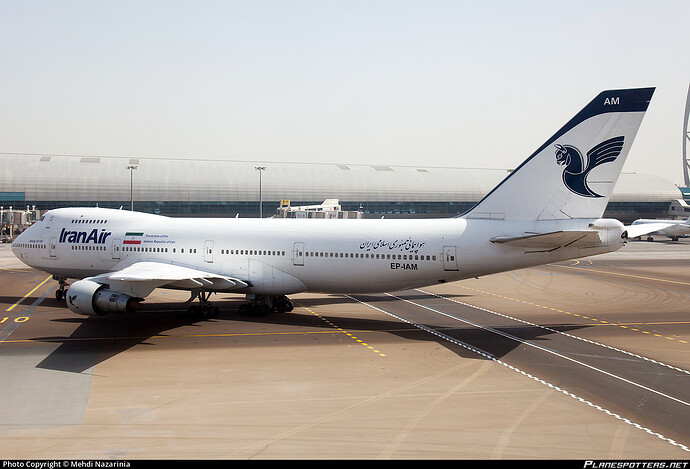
(93, 299)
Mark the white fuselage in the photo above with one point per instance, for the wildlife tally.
(284, 256)
(672, 228)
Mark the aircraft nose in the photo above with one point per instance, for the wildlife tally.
(20, 241)
(22, 235)
(16, 243)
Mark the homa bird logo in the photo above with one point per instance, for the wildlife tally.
(577, 167)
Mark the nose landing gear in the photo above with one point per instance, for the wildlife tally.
(60, 292)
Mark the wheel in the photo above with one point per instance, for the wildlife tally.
(207, 311)
(279, 304)
(59, 294)
(282, 304)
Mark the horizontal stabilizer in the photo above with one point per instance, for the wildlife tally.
(552, 240)
(643, 229)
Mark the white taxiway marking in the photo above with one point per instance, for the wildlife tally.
(524, 373)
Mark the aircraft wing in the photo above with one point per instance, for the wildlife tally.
(645, 228)
(148, 275)
(551, 240)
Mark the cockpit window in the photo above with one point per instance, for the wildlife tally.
(42, 217)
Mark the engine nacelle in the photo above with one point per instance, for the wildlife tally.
(93, 299)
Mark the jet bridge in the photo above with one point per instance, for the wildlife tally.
(14, 221)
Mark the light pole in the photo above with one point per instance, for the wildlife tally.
(260, 169)
(131, 168)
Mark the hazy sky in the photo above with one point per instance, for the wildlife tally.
(432, 83)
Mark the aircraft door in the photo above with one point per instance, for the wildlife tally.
(49, 234)
(450, 259)
(298, 254)
(208, 251)
(116, 247)
(52, 247)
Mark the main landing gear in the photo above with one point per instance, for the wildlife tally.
(260, 305)
(204, 309)
(60, 293)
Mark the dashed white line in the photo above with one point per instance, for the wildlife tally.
(511, 367)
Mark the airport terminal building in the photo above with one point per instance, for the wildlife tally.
(220, 188)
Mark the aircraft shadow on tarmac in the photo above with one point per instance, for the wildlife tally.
(97, 339)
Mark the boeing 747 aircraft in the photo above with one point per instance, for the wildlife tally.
(547, 210)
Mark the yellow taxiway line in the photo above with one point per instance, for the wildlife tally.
(32, 290)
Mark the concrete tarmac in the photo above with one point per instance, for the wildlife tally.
(585, 359)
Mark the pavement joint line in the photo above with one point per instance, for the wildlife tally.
(678, 282)
(625, 352)
(25, 296)
(682, 341)
(157, 336)
(12, 326)
(512, 367)
(539, 347)
(343, 331)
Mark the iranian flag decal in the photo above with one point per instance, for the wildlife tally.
(133, 238)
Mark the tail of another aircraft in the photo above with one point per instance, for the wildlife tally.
(573, 174)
